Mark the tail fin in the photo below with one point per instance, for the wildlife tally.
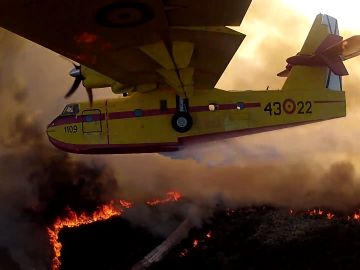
(309, 71)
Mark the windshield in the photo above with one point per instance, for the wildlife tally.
(71, 109)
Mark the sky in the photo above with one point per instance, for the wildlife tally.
(317, 164)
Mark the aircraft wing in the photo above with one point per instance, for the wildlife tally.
(180, 43)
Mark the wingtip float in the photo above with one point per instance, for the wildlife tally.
(165, 68)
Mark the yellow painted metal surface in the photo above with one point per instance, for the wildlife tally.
(305, 78)
(145, 118)
(310, 106)
(182, 52)
(160, 54)
(81, 130)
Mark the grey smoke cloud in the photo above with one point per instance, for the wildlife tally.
(296, 184)
(37, 181)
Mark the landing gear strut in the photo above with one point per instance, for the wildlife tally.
(182, 120)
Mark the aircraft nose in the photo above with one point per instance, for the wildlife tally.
(52, 134)
(50, 128)
(52, 124)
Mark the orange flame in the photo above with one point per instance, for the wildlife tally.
(126, 204)
(329, 215)
(318, 212)
(355, 216)
(171, 196)
(103, 212)
(315, 212)
(184, 253)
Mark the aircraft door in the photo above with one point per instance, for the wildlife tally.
(94, 127)
(91, 121)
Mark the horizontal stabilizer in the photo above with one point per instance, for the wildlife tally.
(315, 67)
(285, 73)
(328, 42)
(347, 49)
(335, 64)
(324, 47)
(331, 53)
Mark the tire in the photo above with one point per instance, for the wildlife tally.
(182, 122)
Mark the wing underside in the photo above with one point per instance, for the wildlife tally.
(180, 43)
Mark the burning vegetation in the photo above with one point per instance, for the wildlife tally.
(245, 237)
(269, 238)
(73, 220)
(104, 212)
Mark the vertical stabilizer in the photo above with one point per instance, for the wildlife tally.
(316, 77)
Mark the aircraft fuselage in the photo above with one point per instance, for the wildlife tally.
(141, 122)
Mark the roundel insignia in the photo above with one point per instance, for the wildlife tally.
(124, 14)
(289, 106)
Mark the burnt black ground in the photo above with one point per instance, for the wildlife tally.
(267, 238)
(107, 245)
(6, 261)
(119, 243)
(249, 238)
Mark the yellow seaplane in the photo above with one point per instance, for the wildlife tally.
(164, 58)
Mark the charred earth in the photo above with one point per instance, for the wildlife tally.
(268, 238)
(246, 238)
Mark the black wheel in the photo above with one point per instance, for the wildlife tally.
(182, 122)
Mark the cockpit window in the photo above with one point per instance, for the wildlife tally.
(71, 109)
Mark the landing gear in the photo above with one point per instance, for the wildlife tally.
(182, 121)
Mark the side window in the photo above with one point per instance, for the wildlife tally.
(240, 106)
(213, 107)
(138, 113)
(71, 109)
(76, 108)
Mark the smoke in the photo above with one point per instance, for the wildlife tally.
(37, 182)
(302, 167)
(296, 184)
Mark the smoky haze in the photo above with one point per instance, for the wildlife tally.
(37, 182)
(304, 167)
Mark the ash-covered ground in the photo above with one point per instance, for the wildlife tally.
(246, 238)
(268, 238)
(114, 244)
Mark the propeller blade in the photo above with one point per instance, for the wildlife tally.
(73, 88)
(348, 48)
(90, 95)
(76, 72)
